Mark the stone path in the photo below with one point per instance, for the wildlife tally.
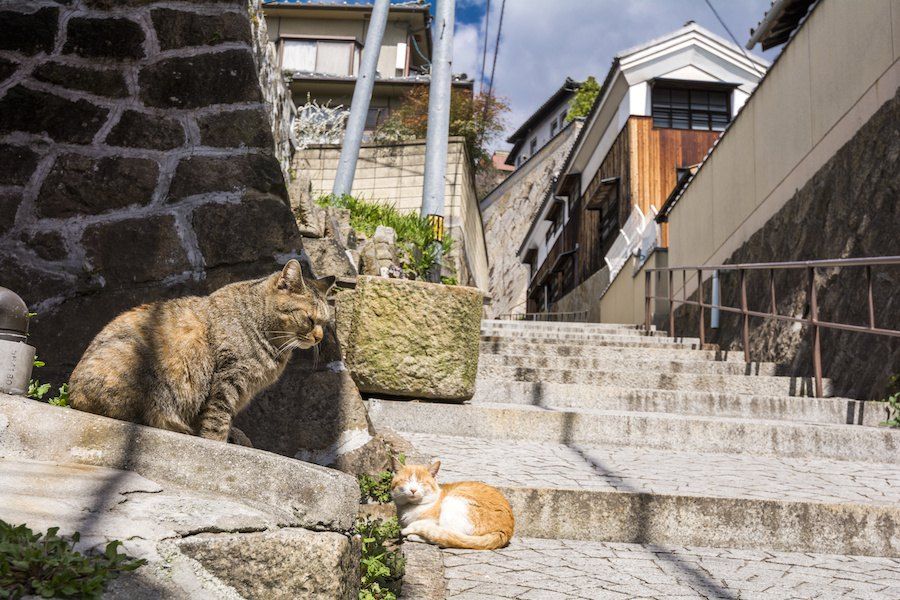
(719, 482)
(547, 465)
(537, 569)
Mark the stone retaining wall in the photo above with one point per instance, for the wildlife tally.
(849, 208)
(138, 158)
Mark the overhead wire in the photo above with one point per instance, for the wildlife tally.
(733, 39)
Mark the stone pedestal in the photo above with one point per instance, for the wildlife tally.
(411, 338)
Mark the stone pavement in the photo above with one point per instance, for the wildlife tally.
(539, 569)
(571, 466)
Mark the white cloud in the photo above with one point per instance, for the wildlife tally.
(546, 40)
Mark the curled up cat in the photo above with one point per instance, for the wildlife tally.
(190, 364)
(465, 514)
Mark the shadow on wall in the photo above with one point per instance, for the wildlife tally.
(848, 209)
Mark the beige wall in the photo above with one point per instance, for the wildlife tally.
(623, 301)
(395, 174)
(394, 33)
(841, 66)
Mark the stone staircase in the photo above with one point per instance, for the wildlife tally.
(619, 448)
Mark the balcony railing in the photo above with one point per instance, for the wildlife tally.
(812, 320)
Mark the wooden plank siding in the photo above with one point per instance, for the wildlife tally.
(645, 159)
(655, 154)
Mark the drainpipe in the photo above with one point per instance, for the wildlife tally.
(16, 356)
(438, 117)
(362, 95)
(714, 313)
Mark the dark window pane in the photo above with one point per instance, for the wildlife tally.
(700, 121)
(680, 119)
(699, 100)
(679, 99)
(661, 120)
(718, 101)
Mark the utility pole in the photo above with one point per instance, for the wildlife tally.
(362, 95)
(438, 119)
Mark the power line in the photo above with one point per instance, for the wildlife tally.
(487, 26)
(496, 49)
(733, 39)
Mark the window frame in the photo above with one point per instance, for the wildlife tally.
(355, 53)
(691, 87)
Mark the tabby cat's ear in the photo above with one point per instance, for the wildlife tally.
(291, 276)
(433, 468)
(323, 284)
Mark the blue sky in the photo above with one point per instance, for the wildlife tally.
(543, 41)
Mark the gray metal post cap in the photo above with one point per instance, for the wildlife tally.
(13, 313)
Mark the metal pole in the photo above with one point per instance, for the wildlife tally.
(816, 341)
(745, 318)
(438, 111)
(715, 312)
(702, 308)
(362, 95)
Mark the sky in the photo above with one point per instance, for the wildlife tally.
(543, 41)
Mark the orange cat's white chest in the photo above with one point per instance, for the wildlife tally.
(455, 515)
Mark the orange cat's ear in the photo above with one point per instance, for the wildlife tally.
(433, 468)
(291, 276)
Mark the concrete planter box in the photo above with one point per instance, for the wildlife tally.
(411, 338)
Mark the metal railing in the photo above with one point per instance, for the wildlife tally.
(812, 320)
(569, 316)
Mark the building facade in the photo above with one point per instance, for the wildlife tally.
(543, 125)
(661, 108)
(320, 46)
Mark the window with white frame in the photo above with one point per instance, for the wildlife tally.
(681, 107)
(328, 57)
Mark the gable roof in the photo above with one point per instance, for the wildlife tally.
(568, 88)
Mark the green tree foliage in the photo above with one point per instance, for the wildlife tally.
(584, 99)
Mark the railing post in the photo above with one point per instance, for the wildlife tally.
(871, 299)
(671, 303)
(702, 308)
(647, 294)
(814, 321)
(745, 318)
(772, 291)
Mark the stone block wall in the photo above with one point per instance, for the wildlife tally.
(508, 212)
(395, 174)
(849, 208)
(138, 159)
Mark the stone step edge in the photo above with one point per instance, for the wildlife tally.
(871, 413)
(654, 431)
(493, 359)
(711, 521)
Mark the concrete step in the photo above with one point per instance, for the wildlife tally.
(571, 363)
(589, 336)
(533, 568)
(685, 402)
(626, 377)
(603, 493)
(606, 330)
(625, 352)
(560, 326)
(588, 340)
(659, 431)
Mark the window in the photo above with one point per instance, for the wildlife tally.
(533, 146)
(553, 127)
(329, 57)
(683, 108)
(562, 116)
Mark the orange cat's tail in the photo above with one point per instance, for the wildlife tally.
(447, 538)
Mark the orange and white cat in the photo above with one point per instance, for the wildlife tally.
(465, 514)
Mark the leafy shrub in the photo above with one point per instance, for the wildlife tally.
(37, 390)
(415, 235)
(47, 565)
(377, 488)
(382, 564)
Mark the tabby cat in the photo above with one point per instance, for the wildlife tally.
(466, 514)
(190, 364)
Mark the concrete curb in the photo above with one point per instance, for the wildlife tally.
(424, 577)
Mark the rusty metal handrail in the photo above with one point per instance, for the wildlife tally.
(542, 316)
(812, 320)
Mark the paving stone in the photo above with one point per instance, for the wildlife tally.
(675, 572)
